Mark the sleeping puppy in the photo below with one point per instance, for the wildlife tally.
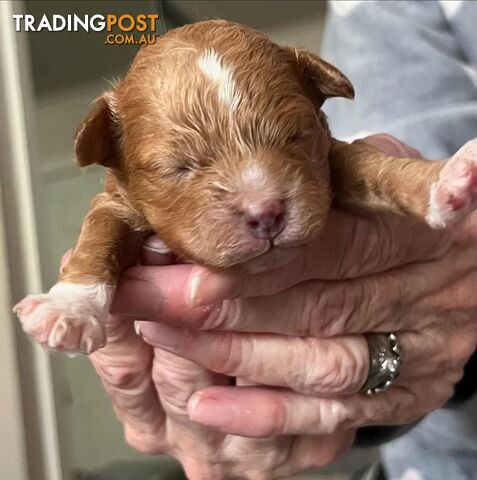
(215, 140)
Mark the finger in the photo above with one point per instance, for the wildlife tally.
(334, 255)
(317, 451)
(326, 308)
(299, 452)
(349, 247)
(376, 303)
(311, 366)
(175, 380)
(155, 293)
(261, 412)
(440, 352)
(124, 368)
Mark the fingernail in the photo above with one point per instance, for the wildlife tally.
(208, 410)
(163, 336)
(207, 288)
(195, 282)
(137, 327)
(155, 244)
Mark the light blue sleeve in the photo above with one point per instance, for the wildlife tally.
(414, 68)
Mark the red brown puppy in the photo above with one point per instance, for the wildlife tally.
(215, 140)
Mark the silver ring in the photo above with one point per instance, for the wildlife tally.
(385, 359)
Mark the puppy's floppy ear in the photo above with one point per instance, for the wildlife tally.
(96, 137)
(321, 78)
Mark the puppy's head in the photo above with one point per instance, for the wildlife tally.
(216, 137)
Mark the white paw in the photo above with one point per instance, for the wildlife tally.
(70, 317)
(454, 195)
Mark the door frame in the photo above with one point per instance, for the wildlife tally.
(28, 419)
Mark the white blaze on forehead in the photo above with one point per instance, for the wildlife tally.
(214, 68)
(254, 176)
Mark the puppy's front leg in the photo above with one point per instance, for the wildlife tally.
(439, 192)
(71, 316)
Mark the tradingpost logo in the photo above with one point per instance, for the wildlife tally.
(119, 29)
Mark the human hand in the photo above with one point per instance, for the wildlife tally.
(430, 301)
(150, 388)
(163, 294)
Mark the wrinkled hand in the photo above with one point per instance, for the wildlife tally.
(150, 388)
(297, 327)
(319, 356)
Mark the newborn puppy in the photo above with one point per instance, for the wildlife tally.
(215, 140)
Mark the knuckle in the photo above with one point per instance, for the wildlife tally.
(231, 312)
(162, 378)
(467, 348)
(331, 308)
(174, 384)
(334, 415)
(442, 394)
(455, 377)
(341, 413)
(341, 370)
(120, 377)
(458, 350)
(144, 443)
(447, 393)
(232, 346)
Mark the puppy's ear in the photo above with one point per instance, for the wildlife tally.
(96, 137)
(319, 77)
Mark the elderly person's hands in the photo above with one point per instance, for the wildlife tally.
(150, 388)
(298, 327)
(307, 336)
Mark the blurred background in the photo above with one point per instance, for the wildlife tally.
(57, 421)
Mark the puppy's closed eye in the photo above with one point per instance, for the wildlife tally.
(183, 170)
(179, 169)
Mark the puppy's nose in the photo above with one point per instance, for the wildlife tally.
(265, 219)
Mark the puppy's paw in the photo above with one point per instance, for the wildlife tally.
(454, 195)
(69, 318)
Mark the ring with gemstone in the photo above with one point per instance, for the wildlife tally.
(385, 359)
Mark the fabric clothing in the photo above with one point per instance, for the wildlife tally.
(414, 68)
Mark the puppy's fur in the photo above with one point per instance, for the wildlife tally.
(213, 127)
